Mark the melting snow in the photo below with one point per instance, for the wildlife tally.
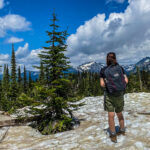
(90, 135)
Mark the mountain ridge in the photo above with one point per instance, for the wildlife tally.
(92, 66)
(143, 64)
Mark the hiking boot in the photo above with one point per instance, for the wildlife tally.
(113, 138)
(121, 132)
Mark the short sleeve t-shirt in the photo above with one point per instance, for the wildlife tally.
(102, 75)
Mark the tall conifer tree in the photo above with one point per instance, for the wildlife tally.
(30, 81)
(55, 64)
(1, 96)
(139, 77)
(13, 76)
(25, 80)
(19, 80)
(5, 81)
(6, 89)
(53, 56)
(41, 75)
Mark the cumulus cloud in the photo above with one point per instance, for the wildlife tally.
(22, 51)
(13, 22)
(14, 40)
(24, 56)
(4, 59)
(127, 34)
(1, 4)
(28, 58)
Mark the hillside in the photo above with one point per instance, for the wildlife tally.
(90, 135)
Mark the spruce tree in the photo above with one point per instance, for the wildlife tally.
(47, 76)
(5, 80)
(6, 97)
(55, 63)
(4, 76)
(19, 80)
(148, 82)
(1, 96)
(41, 75)
(13, 76)
(30, 81)
(139, 78)
(25, 80)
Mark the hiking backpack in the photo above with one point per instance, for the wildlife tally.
(115, 81)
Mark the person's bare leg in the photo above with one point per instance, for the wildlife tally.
(111, 122)
(121, 120)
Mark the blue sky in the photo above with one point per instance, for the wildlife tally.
(24, 22)
(71, 14)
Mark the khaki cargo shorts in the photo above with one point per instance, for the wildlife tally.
(114, 103)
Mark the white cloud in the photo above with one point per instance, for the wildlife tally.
(22, 51)
(4, 59)
(23, 57)
(14, 40)
(127, 34)
(13, 22)
(28, 58)
(1, 4)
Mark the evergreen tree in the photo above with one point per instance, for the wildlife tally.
(139, 78)
(56, 62)
(4, 76)
(5, 81)
(13, 76)
(19, 80)
(47, 75)
(25, 80)
(53, 56)
(144, 78)
(148, 82)
(6, 105)
(59, 86)
(30, 81)
(41, 75)
(1, 96)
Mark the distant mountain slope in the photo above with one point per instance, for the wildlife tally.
(144, 64)
(96, 67)
(90, 66)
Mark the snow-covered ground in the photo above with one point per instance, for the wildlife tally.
(90, 135)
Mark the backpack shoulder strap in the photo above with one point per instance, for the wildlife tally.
(121, 68)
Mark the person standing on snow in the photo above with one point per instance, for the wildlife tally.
(114, 80)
